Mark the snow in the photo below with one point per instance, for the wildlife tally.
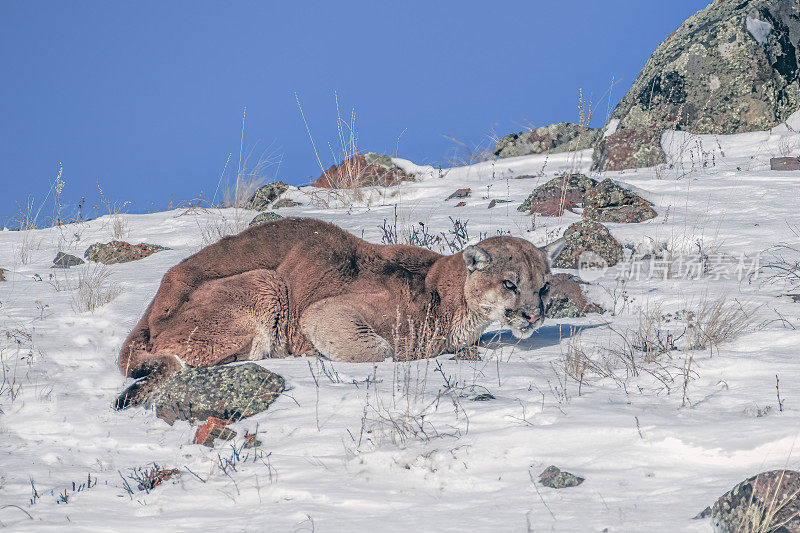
(759, 29)
(330, 459)
(611, 128)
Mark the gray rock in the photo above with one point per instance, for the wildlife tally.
(784, 163)
(608, 202)
(555, 478)
(566, 298)
(265, 216)
(570, 187)
(767, 502)
(265, 195)
(120, 252)
(63, 260)
(460, 193)
(730, 68)
(555, 138)
(382, 160)
(605, 201)
(588, 236)
(284, 202)
(229, 392)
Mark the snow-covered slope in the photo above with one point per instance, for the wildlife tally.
(403, 446)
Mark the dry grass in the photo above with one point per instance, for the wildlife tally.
(715, 322)
(93, 289)
(352, 180)
(463, 154)
(219, 223)
(119, 224)
(20, 360)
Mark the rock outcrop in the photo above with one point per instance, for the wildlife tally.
(229, 392)
(769, 502)
(608, 202)
(605, 201)
(588, 236)
(730, 68)
(366, 170)
(265, 195)
(120, 252)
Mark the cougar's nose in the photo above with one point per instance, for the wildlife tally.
(534, 317)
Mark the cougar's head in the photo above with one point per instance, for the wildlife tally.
(508, 281)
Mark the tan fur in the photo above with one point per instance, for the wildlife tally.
(301, 286)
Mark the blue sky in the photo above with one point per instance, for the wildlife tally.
(147, 97)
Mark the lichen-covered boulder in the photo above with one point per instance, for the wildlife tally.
(555, 478)
(608, 202)
(265, 216)
(588, 236)
(284, 202)
(570, 187)
(120, 252)
(768, 502)
(730, 68)
(365, 170)
(555, 138)
(64, 260)
(229, 392)
(567, 299)
(604, 202)
(265, 195)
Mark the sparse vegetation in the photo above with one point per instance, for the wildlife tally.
(93, 288)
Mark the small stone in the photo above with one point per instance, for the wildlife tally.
(156, 478)
(497, 201)
(555, 478)
(366, 170)
(265, 216)
(460, 193)
(213, 428)
(265, 195)
(250, 440)
(2, 274)
(63, 260)
(485, 397)
(784, 163)
(285, 202)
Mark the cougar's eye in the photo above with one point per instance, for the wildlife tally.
(510, 286)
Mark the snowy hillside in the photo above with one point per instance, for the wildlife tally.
(404, 446)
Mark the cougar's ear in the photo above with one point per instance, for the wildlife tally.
(553, 249)
(476, 258)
